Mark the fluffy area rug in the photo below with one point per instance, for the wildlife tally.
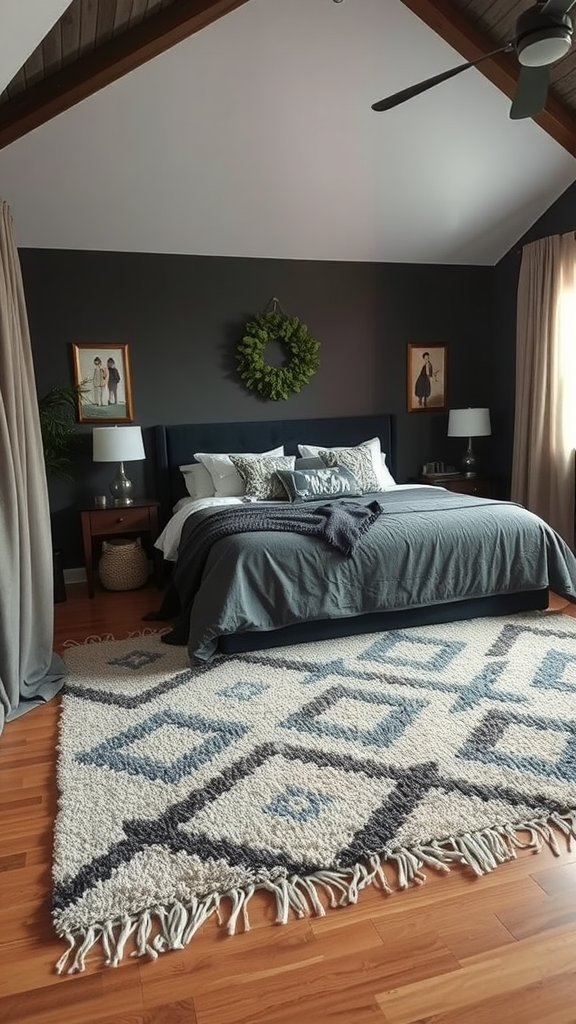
(309, 771)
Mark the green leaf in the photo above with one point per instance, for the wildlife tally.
(271, 381)
(57, 414)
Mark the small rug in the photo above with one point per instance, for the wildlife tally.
(310, 771)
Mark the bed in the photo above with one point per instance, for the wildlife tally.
(246, 594)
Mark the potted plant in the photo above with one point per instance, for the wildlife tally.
(57, 410)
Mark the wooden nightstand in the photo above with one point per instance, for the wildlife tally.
(114, 521)
(482, 486)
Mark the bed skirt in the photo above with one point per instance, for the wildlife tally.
(376, 622)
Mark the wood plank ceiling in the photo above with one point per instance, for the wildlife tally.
(498, 19)
(476, 27)
(94, 43)
(97, 41)
(84, 26)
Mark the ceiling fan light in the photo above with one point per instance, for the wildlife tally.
(543, 47)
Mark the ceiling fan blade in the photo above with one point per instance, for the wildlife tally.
(531, 92)
(558, 8)
(415, 90)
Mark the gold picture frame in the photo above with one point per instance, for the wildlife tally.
(106, 396)
(426, 377)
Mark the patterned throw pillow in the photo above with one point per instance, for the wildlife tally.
(318, 484)
(359, 462)
(227, 481)
(383, 474)
(259, 475)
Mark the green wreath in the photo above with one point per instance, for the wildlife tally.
(277, 381)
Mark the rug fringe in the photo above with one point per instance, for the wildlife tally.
(100, 638)
(158, 929)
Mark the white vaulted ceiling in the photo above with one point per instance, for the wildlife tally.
(255, 137)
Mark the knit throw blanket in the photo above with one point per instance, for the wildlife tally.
(342, 524)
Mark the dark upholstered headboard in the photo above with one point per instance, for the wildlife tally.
(175, 445)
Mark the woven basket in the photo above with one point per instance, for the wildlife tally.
(123, 564)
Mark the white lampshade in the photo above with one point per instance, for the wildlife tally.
(469, 423)
(117, 444)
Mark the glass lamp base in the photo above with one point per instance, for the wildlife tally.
(121, 488)
(469, 464)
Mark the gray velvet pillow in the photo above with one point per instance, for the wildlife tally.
(309, 462)
(319, 484)
(359, 462)
(259, 475)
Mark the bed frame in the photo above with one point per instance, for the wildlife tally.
(175, 446)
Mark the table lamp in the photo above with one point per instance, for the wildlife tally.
(469, 423)
(118, 444)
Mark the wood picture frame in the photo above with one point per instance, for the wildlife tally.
(426, 377)
(107, 395)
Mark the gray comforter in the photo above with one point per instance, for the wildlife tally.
(429, 546)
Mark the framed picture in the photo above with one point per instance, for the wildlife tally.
(103, 371)
(426, 373)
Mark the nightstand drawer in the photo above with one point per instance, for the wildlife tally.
(118, 520)
(481, 486)
(141, 517)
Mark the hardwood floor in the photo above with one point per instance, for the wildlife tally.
(458, 950)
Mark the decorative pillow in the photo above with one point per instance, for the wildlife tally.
(383, 474)
(227, 480)
(314, 462)
(387, 477)
(199, 483)
(359, 461)
(315, 484)
(259, 475)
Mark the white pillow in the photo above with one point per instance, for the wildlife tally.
(226, 479)
(383, 474)
(199, 483)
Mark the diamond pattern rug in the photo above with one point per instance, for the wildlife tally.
(310, 771)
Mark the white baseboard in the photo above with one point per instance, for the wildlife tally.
(75, 575)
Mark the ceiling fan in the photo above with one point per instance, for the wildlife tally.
(543, 36)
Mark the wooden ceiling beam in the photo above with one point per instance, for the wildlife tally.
(107, 63)
(502, 70)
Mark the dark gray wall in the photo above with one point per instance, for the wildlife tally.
(183, 316)
(559, 219)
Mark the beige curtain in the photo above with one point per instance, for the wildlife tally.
(29, 672)
(545, 415)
